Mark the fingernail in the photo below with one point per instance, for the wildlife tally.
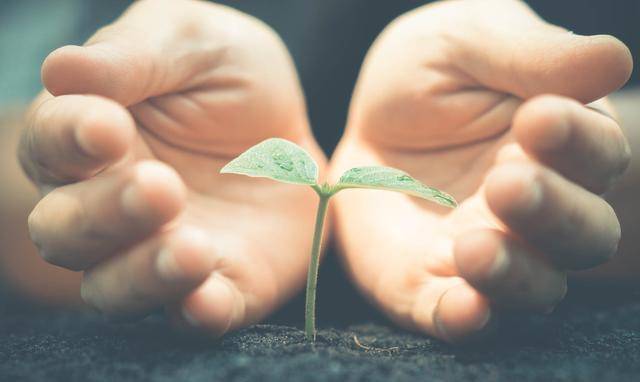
(532, 198)
(535, 195)
(85, 143)
(167, 267)
(189, 318)
(438, 323)
(441, 329)
(485, 320)
(133, 202)
(553, 307)
(500, 263)
(453, 337)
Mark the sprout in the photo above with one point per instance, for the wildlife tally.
(281, 160)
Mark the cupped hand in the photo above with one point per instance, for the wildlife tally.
(126, 143)
(488, 102)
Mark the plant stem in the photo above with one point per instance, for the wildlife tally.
(312, 276)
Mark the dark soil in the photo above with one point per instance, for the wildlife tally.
(589, 338)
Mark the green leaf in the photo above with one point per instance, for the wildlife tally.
(277, 159)
(391, 179)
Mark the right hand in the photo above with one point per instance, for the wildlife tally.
(126, 144)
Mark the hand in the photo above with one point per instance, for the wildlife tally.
(126, 145)
(454, 93)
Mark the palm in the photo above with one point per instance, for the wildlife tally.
(439, 102)
(261, 228)
(199, 93)
(414, 231)
(255, 224)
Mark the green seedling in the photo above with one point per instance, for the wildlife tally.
(281, 160)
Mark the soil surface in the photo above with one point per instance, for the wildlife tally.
(592, 337)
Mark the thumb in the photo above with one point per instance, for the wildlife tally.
(519, 53)
(137, 57)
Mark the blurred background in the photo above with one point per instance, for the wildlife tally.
(327, 38)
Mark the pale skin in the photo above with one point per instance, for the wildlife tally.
(453, 93)
(132, 194)
(473, 114)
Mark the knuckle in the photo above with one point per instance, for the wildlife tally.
(24, 159)
(38, 114)
(42, 144)
(30, 155)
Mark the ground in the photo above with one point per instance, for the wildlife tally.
(592, 337)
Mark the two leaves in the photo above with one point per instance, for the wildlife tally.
(281, 160)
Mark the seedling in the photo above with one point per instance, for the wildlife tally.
(281, 160)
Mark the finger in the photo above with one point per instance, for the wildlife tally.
(509, 273)
(73, 137)
(523, 55)
(215, 308)
(565, 135)
(220, 305)
(139, 56)
(159, 271)
(575, 228)
(77, 225)
(452, 310)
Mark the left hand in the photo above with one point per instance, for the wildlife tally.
(488, 102)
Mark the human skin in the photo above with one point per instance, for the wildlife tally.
(400, 253)
(486, 101)
(623, 269)
(126, 144)
(20, 267)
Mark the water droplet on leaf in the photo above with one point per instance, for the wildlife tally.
(282, 160)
